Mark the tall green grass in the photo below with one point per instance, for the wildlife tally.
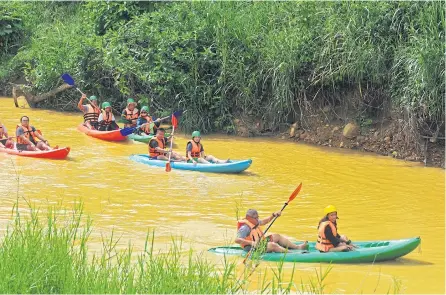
(47, 253)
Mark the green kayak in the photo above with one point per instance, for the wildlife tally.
(143, 138)
(371, 251)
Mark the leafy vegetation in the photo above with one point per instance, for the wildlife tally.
(276, 61)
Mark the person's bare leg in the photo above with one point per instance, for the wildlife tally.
(203, 161)
(216, 160)
(284, 242)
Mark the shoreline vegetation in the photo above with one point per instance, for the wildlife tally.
(360, 75)
(49, 254)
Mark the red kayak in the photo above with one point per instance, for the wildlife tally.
(59, 154)
(114, 135)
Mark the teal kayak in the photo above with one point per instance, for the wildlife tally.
(144, 138)
(232, 167)
(369, 251)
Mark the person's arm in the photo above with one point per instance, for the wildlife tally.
(270, 218)
(329, 235)
(113, 118)
(80, 104)
(202, 153)
(242, 233)
(101, 118)
(189, 152)
(20, 133)
(154, 144)
(5, 131)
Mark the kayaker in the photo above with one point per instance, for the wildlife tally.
(130, 114)
(28, 138)
(5, 140)
(249, 234)
(145, 118)
(195, 152)
(91, 111)
(106, 119)
(329, 239)
(157, 147)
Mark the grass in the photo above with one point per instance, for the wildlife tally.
(47, 253)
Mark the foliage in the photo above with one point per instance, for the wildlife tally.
(276, 61)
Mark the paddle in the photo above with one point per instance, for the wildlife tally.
(129, 130)
(70, 81)
(292, 196)
(174, 125)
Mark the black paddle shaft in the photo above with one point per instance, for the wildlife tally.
(286, 204)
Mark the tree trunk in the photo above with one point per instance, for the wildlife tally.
(23, 90)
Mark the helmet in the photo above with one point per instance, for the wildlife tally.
(329, 209)
(93, 97)
(196, 134)
(145, 109)
(106, 104)
(131, 101)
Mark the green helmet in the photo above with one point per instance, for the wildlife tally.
(93, 97)
(106, 104)
(145, 109)
(196, 134)
(130, 100)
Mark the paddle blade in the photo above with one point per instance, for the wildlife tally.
(127, 131)
(178, 113)
(168, 168)
(68, 79)
(174, 121)
(294, 194)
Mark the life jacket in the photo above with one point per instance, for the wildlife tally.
(131, 116)
(257, 233)
(196, 149)
(106, 118)
(29, 134)
(148, 129)
(92, 114)
(323, 244)
(161, 144)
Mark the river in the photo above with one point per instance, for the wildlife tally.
(377, 197)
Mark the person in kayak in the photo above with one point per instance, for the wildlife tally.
(157, 147)
(28, 138)
(91, 111)
(146, 119)
(106, 119)
(5, 140)
(195, 152)
(249, 234)
(130, 114)
(328, 238)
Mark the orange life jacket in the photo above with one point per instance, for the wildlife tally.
(323, 244)
(92, 114)
(107, 118)
(29, 135)
(196, 149)
(257, 233)
(131, 116)
(161, 144)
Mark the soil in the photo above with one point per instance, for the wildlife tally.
(387, 137)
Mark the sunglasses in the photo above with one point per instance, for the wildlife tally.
(25, 120)
(143, 112)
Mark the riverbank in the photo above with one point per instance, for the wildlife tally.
(387, 137)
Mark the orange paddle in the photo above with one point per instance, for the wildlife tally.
(168, 168)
